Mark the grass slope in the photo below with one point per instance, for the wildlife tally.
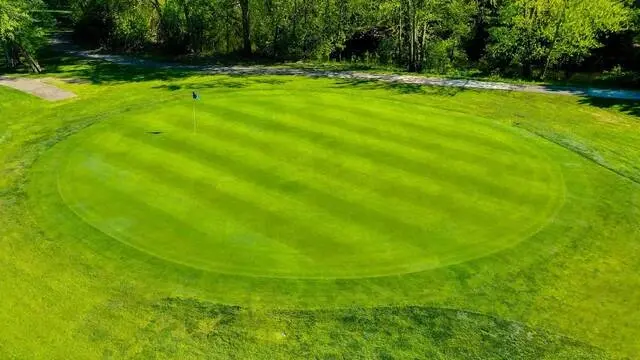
(568, 291)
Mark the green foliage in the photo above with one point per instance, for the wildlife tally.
(428, 33)
(452, 29)
(549, 33)
(116, 24)
(22, 31)
(521, 36)
(188, 26)
(132, 27)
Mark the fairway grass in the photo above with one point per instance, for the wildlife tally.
(314, 218)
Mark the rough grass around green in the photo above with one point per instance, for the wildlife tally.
(117, 221)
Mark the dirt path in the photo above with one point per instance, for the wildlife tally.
(37, 87)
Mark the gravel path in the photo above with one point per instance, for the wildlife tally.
(407, 79)
(37, 87)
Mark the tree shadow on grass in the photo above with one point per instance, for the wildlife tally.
(171, 87)
(208, 85)
(100, 71)
(630, 107)
(229, 81)
(267, 81)
(399, 87)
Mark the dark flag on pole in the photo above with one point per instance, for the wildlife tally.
(195, 123)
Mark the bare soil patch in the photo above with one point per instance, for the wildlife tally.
(37, 87)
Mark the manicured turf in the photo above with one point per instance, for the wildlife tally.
(306, 185)
(311, 218)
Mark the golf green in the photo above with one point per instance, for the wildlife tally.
(306, 184)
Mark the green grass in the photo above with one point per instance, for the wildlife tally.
(314, 218)
(305, 184)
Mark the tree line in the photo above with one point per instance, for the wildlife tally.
(525, 38)
(23, 25)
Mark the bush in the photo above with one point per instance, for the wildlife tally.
(131, 31)
(113, 24)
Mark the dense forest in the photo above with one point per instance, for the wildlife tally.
(539, 39)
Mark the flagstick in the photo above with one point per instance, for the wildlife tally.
(194, 117)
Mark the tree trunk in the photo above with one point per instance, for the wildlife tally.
(412, 36)
(12, 54)
(424, 43)
(7, 56)
(160, 26)
(227, 31)
(31, 61)
(414, 39)
(527, 70)
(399, 34)
(554, 41)
(246, 31)
(157, 7)
(274, 26)
(305, 33)
(187, 19)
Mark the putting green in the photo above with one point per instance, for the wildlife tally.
(306, 184)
